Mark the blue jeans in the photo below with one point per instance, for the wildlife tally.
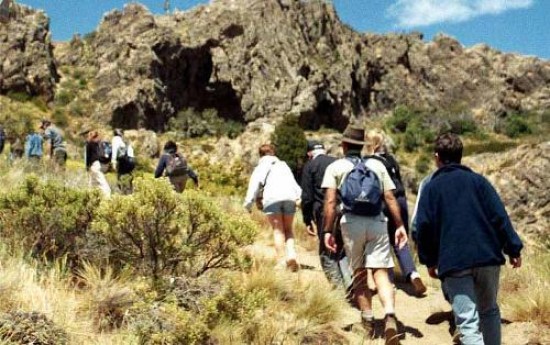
(473, 296)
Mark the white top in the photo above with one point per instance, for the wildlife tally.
(280, 184)
(337, 170)
(117, 143)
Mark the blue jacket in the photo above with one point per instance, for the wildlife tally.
(33, 145)
(462, 223)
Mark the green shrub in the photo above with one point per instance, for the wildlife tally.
(30, 328)
(222, 178)
(159, 232)
(423, 164)
(47, 218)
(192, 124)
(516, 125)
(167, 323)
(290, 141)
(19, 96)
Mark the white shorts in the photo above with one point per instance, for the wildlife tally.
(366, 241)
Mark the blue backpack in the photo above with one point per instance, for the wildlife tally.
(105, 152)
(361, 193)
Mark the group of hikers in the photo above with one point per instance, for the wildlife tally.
(100, 156)
(357, 207)
(33, 146)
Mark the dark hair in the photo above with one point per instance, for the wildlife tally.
(266, 150)
(170, 146)
(352, 147)
(118, 132)
(449, 147)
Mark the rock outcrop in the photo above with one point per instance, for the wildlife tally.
(263, 59)
(522, 178)
(27, 63)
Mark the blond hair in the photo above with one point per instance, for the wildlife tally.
(375, 141)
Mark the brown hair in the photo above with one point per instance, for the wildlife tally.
(93, 136)
(267, 150)
(449, 148)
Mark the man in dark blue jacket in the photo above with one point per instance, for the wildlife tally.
(463, 230)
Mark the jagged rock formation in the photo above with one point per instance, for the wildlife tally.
(522, 178)
(26, 54)
(257, 59)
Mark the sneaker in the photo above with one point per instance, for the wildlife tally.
(390, 330)
(368, 326)
(292, 265)
(419, 287)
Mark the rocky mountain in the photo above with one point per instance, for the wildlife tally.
(27, 64)
(521, 177)
(251, 59)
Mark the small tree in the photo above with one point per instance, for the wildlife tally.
(290, 141)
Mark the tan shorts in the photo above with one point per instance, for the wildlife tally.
(366, 241)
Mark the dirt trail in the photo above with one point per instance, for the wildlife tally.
(423, 321)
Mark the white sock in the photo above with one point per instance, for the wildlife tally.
(290, 250)
(414, 275)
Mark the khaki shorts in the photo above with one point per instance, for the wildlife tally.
(366, 241)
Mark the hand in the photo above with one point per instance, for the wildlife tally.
(401, 237)
(311, 230)
(330, 242)
(515, 262)
(432, 271)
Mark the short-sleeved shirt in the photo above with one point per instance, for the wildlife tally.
(338, 170)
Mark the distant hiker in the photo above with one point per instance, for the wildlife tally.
(174, 165)
(56, 148)
(122, 161)
(273, 182)
(364, 227)
(463, 230)
(313, 197)
(94, 164)
(17, 149)
(33, 147)
(2, 138)
(377, 147)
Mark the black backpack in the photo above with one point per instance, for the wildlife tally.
(393, 170)
(177, 165)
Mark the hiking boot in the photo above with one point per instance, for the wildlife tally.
(292, 265)
(390, 330)
(419, 287)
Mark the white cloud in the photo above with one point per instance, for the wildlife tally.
(414, 13)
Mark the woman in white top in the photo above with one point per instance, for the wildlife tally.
(280, 194)
(122, 161)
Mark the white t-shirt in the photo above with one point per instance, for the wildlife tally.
(337, 170)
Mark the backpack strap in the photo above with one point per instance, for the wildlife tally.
(268, 171)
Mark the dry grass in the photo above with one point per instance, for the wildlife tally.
(524, 291)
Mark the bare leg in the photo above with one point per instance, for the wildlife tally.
(276, 222)
(361, 292)
(288, 220)
(385, 289)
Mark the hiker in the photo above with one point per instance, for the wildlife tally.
(365, 237)
(56, 148)
(122, 161)
(33, 147)
(377, 147)
(312, 210)
(94, 164)
(463, 230)
(17, 149)
(272, 181)
(174, 165)
(2, 138)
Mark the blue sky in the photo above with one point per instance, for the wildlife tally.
(520, 26)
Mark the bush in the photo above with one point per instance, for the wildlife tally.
(159, 232)
(516, 125)
(30, 328)
(290, 141)
(194, 124)
(47, 219)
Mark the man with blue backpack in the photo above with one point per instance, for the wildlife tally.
(362, 185)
